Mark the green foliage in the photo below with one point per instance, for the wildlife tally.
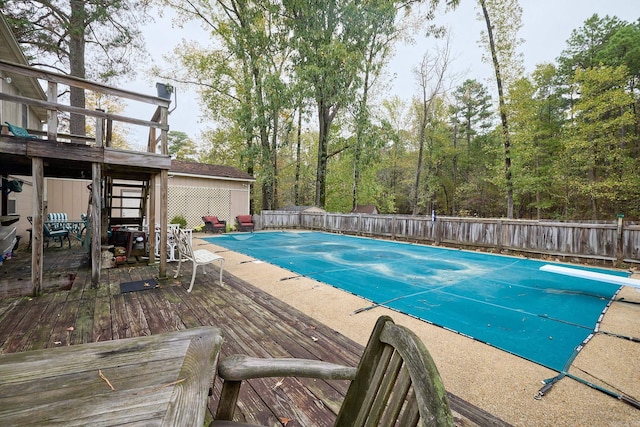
(180, 146)
(574, 140)
(51, 31)
(179, 219)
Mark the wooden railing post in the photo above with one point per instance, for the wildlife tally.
(499, 235)
(99, 130)
(52, 115)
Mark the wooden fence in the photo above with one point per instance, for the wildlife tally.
(614, 242)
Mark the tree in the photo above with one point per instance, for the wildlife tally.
(66, 34)
(606, 173)
(327, 38)
(503, 20)
(471, 117)
(432, 84)
(242, 77)
(180, 146)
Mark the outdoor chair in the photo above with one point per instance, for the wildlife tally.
(395, 383)
(200, 257)
(244, 223)
(56, 235)
(57, 221)
(213, 225)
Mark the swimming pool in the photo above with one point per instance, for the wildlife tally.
(504, 301)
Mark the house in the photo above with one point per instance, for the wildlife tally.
(366, 209)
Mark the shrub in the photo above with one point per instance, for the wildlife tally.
(179, 219)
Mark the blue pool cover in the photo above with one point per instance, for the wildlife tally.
(506, 302)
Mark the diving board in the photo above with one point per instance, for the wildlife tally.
(591, 275)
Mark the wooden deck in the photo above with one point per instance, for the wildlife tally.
(71, 312)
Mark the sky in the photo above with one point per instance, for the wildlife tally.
(546, 26)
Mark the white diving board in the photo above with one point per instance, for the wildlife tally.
(591, 275)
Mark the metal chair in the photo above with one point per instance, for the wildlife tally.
(200, 257)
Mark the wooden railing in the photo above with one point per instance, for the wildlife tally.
(104, 120)
(603, 242)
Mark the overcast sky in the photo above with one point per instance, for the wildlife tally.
(547, 24)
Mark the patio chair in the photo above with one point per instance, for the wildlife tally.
(57, 221)
(200, 257)
(395, 383)
(244, 223)
(213, 225)
(56, 235)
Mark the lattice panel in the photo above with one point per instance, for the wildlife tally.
(195, 202)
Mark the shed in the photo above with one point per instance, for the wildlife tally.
(199, 189)
(366, 209)
(310, 209)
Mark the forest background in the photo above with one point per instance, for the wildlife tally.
(297, 92)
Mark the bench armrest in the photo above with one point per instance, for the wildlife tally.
(239, 367)
(234, 369)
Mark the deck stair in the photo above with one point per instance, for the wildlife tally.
(126, 202)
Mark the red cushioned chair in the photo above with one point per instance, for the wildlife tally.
(213, 225)
(244, 223)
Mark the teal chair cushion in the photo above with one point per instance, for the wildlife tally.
(18, 131)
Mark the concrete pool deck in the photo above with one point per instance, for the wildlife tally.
(496, 381)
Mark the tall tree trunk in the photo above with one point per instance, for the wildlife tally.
(296, 190)
(267, 157)
(325, 117)
(77, 125)
(503, 113)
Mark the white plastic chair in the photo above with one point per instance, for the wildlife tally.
(199, 257)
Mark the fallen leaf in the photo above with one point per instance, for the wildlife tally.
(285, 421)
(314, 339)
(147, 284)
(57, 342)
(70, 328)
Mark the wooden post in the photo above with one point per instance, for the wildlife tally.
(96, 223)
(620, 241)
(5, 194)
(164, 220)
(37, 231)
(52, 115)
(99, 130)
(438, 230)
(499, 235)
(152, 220)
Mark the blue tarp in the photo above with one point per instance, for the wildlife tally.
(506, 302)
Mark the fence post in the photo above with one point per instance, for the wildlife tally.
(620, 243)
(499, 235)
